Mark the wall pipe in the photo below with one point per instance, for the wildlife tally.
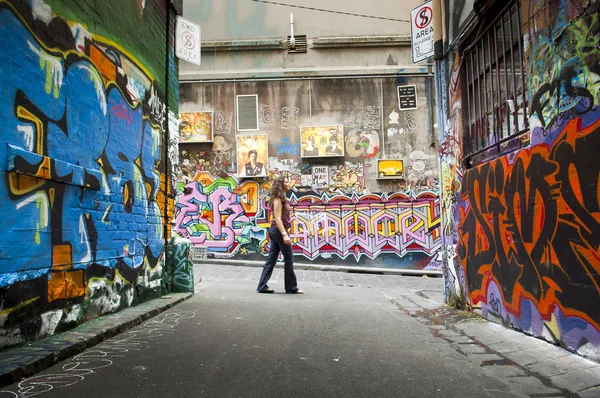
(166, 222)
(438, 34)
(278, 79)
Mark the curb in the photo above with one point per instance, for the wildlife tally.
(24, 361)
(331, 268)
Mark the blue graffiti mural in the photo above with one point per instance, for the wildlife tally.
(79, 166)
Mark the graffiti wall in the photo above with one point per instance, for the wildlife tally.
(451, 175)
(343, 214)
(82, 176)
(231, 218)
(529, 223)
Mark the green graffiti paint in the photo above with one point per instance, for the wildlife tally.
(179, 273)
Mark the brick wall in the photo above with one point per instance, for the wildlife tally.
(86, 89)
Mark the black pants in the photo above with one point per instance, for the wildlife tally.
(277, 245)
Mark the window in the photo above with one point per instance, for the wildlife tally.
(494, 71)
(247, 112)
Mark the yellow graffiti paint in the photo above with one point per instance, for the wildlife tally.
(53, 69)
(553, 326)
(21, 184)
(24, 115)
(18, 306)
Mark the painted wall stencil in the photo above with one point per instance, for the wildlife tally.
(390, 168)
(321, 141)
(420, 171)
(195, 127)
(362, 143)
(252, 155)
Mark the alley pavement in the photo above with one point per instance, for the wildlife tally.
(349, 335)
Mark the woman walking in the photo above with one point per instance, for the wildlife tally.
(280, 240)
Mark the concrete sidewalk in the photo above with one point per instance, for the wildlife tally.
(23, 361)
(531, 367)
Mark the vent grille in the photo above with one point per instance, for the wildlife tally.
(301, 44)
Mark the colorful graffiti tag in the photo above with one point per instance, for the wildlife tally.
(218, 213)
(563, 73)
(530, 235)
(231, 218)
(529, 221)
(525, 226)
(80, 155)
(364, 225)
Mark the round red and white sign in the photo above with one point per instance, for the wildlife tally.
(424, 17)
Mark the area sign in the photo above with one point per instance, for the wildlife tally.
(187, 41)
(421, 27)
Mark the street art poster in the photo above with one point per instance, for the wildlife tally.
(252, 155)
(320, 177)
(390, 168)
(195, 127)
(322, 141)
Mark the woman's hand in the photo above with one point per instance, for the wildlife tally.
(286, 239)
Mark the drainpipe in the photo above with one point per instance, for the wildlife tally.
(438, 34)
(438, 50)
(292, 38)
(431, 75)
(170, 8)
(438, 56)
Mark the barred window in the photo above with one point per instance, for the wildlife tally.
(495, 78)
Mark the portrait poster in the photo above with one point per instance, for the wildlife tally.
(195, 127)
(322, 141)
(390, 168)
(252, 155)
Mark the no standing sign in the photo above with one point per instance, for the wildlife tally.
(187, 41)
(421, 27)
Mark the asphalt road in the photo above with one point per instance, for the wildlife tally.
(228, 341)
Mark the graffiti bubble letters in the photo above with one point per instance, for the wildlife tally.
(531, 225)
(214, 215)
(122, 113)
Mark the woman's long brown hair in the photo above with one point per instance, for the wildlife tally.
(278, 189)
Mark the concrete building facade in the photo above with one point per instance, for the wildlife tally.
(348, 77)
